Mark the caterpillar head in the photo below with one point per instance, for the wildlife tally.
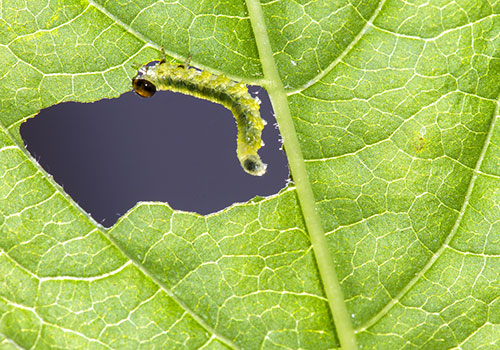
(142, 82)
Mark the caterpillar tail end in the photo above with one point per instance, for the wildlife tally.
(253, 165)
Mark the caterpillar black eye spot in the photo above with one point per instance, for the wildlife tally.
(143, 87)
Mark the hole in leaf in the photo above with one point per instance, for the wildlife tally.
(172, 148)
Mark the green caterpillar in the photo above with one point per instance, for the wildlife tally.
(216, 88)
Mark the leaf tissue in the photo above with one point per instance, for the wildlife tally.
(388, 112)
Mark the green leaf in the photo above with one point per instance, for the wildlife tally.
(395, 108)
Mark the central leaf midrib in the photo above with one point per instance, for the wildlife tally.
(322, 254)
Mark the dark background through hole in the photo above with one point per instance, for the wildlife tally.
(172, 148)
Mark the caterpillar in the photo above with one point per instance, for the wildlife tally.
(216, 88)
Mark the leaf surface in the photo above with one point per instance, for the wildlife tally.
(395, 105)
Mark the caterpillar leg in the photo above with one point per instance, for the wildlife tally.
(186, 62)
(163, 57)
